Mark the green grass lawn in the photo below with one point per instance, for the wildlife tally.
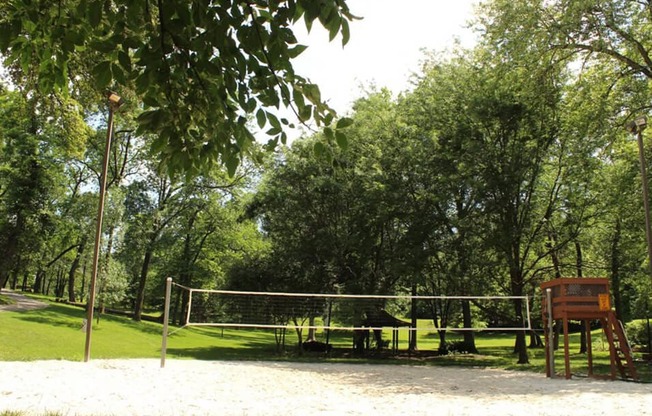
(56, 333)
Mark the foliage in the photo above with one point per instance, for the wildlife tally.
(28, 177)
(638, 333)
(202, 70)
(113, 284)
(504, 166)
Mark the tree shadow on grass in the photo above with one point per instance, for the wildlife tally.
(73, 317)
(54, 315)
(257, 351)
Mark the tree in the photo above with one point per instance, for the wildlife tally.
(613, 36)
(352, 220)
(28, 179)
(201, 69)
(607, 45)
(448, 187)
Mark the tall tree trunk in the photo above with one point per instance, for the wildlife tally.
(83, 282)
(578, 268)
(140, 295)
(579, 261)
(312, 332)
(554, 254)
(413, 320)
(520, 346)
(73, 270)
(47, 283)
(176, 307)
(4, 278)
(184, 275)
(469, 336)
(38, 281)
(14, 279)
(184, 305)
(443, 348)
(615, 267)
(60, 286)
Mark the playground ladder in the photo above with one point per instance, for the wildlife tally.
(619, 348)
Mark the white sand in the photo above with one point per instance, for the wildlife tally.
(141, 387)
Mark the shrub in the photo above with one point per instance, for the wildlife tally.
(637, 332)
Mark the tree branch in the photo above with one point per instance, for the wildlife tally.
(610, 52)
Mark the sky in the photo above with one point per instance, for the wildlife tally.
(385, 46)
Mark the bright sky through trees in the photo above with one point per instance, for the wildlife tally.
(385, 47)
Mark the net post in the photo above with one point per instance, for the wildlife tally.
(166, 316)
(527, 313)
(551, 345)
(189, 306)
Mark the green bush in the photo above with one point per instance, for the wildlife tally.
(637, 332)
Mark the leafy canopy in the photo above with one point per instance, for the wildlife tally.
(201, 68)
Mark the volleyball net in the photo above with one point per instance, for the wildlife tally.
(192, 307)
(276, 310)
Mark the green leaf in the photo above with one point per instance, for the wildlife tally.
(312, 93)
(118, 74)
(328, 118)
(159, 144)
(125, 60)
(273, 120)
(342, 140)
(346, 34)
(232, 164)
(344, 122)
(305, 112)
(5, 37)
(333, 27)
(297, 95)
(103, 46)
(319, 149)
(328, 133)
(142, 83)
(150, 119)
(260, 118)
(102, 74)
(296, 51)
(95, 13)
(25, 57)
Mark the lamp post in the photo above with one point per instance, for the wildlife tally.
(636, 127)
(114, 102)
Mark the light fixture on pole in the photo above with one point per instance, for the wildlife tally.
(636, 127)
(114, 101)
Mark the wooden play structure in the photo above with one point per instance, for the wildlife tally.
(586, 300)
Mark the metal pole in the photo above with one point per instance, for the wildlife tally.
(646, 205)
(98, 236)
(647, 317)
(646, 198)
(189, 307)
(166, 316)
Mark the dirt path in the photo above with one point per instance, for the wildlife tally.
(22, 302)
